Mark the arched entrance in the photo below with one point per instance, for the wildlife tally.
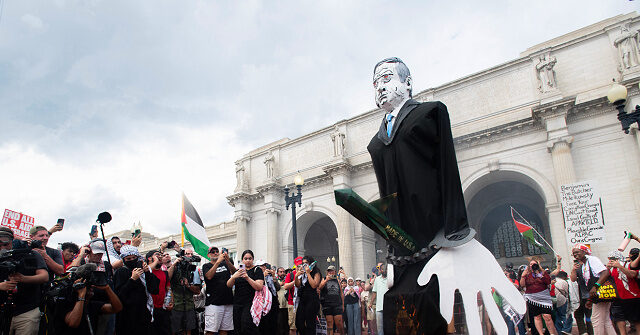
(317, 237)
(489, 213)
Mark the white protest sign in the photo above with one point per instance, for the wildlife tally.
(582, 212)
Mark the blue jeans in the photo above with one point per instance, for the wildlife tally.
(379, 325)
(353, 314)
(561, 316)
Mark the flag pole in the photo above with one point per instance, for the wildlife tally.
(534, 229)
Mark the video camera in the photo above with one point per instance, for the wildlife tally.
(92, 277)
(186, 267)
(11, 260)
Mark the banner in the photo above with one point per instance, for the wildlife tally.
(18, 222)
(582, 213)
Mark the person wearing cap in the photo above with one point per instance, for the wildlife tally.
(218, 309)
(52, 257)
(590, 273)
(332, 300)
(627, 308)
(289, 285)
(26, 312)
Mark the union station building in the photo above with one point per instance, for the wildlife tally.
(521, 130)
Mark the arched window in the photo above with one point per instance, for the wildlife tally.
(507, 242)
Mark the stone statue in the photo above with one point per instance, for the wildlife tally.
(269, 163)
(338, 142)
(546, 74)
(415, 165)
(240, 180)
(628, 47)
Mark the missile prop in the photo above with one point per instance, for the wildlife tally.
(372, 216)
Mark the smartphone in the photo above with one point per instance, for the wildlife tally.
(136, 233)
(171, 244)
(60, 223)
(313, 265)
(127, 242)
(241, 266)
(225, 250)
(94, 230)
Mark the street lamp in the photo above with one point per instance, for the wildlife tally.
(617, 95)
(292, 200)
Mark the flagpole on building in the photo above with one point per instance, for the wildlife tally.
(534, 229)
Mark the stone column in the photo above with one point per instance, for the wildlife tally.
(242, 240)
(560, 149)
(242, 209)
(273, 251)
(559, 145)
(340, 172)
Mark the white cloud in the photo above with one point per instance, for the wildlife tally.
(121, 106)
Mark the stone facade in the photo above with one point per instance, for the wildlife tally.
(521, 129)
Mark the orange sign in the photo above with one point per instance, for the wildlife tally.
(18, 222)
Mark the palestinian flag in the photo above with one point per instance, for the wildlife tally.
(527, 232)
(193, 228)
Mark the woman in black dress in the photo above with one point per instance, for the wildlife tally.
(248, 279)
(307, 280)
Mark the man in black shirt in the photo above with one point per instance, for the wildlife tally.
(332, 297)
(52, 257)
(28, 277)
(218, 308)
(78, 314)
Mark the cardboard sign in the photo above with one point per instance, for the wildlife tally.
(582, 213)
(18, 222)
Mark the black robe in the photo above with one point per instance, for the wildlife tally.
(134, 318)
(419, 162)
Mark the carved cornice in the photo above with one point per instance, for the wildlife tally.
(341, 167)
(234, 198)
(515, 128)
(270, 187)
(553, 109)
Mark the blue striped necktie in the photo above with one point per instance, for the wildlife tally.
(389, 117)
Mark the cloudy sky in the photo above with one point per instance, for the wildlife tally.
(123, 105)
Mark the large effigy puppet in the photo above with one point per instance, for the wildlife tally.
(422, 216)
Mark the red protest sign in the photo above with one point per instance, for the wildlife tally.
(18, 222)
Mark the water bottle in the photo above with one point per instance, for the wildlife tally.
(167, 299)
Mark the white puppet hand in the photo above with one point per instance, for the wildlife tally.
(471, 268)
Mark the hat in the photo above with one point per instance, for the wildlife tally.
(617, 255)
(211, 249)
(358, 279)
(259, 262)
(97, 247)
(6, 232)
(583, 247)
(331, 268)
(129, 250)
(298, 260)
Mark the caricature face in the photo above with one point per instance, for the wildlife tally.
(390, 91)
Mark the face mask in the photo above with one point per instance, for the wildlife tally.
(131, 264)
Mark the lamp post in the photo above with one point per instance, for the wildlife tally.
(617, 95)
(293, 200)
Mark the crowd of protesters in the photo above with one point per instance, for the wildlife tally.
(107, 287)
(560, 298)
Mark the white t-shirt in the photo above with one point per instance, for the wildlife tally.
(594, 266)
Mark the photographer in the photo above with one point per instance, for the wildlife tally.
(536, 283)
(247, 280)
(307, 280)
(162, 301)
(185, 282)
(30, 273)
(134, 283)
(52, 257)
(218, 310)
(269, 322)
(79, 313)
